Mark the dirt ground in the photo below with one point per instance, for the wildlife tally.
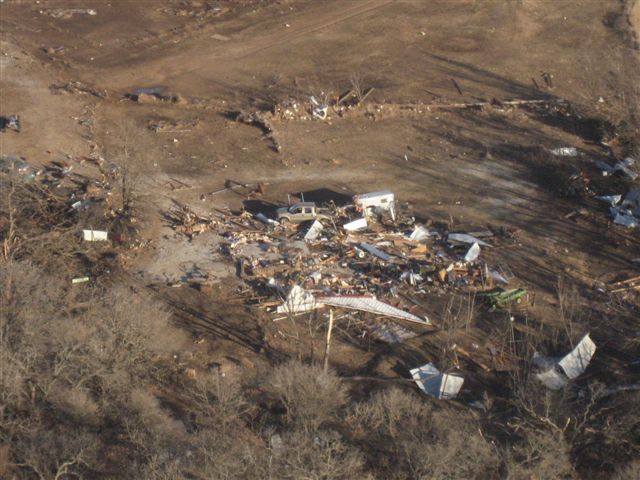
(466, 168)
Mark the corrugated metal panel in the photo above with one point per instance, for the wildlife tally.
(371, 305)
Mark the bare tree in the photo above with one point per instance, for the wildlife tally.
(355, 80)
(418, 441)
(323, 455)
(540, 454)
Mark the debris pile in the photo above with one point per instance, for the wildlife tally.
(68, 219)
(11, 122)
(153, 95)
(66, 13)
(293, 109)
(318, 257)
(625, 210)
(77, 88)
(170, 126)
(12, 164)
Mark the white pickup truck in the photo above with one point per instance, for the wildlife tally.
(300, 212)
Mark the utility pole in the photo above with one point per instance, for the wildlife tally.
(328, 346)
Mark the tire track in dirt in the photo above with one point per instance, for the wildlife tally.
(190, 61)
(348, 13)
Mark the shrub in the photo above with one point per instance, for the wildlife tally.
(309, 395)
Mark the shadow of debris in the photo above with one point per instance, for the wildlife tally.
(260, 206)
(478, 79)
(563, 116)
(324, 195)
(568, 118)
(205, 316)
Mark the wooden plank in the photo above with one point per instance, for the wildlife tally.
(628, 280)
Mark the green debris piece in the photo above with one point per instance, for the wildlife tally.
(500, 299)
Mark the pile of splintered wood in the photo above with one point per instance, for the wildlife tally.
(630, 284)
(186, 221)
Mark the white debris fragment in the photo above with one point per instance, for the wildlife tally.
(81, 204)
(612, 200)
(473, 253)
(95, 235)
(577, 361)
(298, 301)
(605, 167)
(411, 278)
(565, 151)
(358, 224)
(419, 233)
(624, 219)
(627, 212)
(624, 166)
(318, 110)
(498, 277)
(432, 382)
(557, 372)
(316, 277)
(466, 238)
(314, 231)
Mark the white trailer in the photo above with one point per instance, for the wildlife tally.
(376, 202)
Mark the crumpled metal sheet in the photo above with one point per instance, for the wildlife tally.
(371, 305)
(375, 251)
(576, 362)
(558, 371)
(439, 385)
